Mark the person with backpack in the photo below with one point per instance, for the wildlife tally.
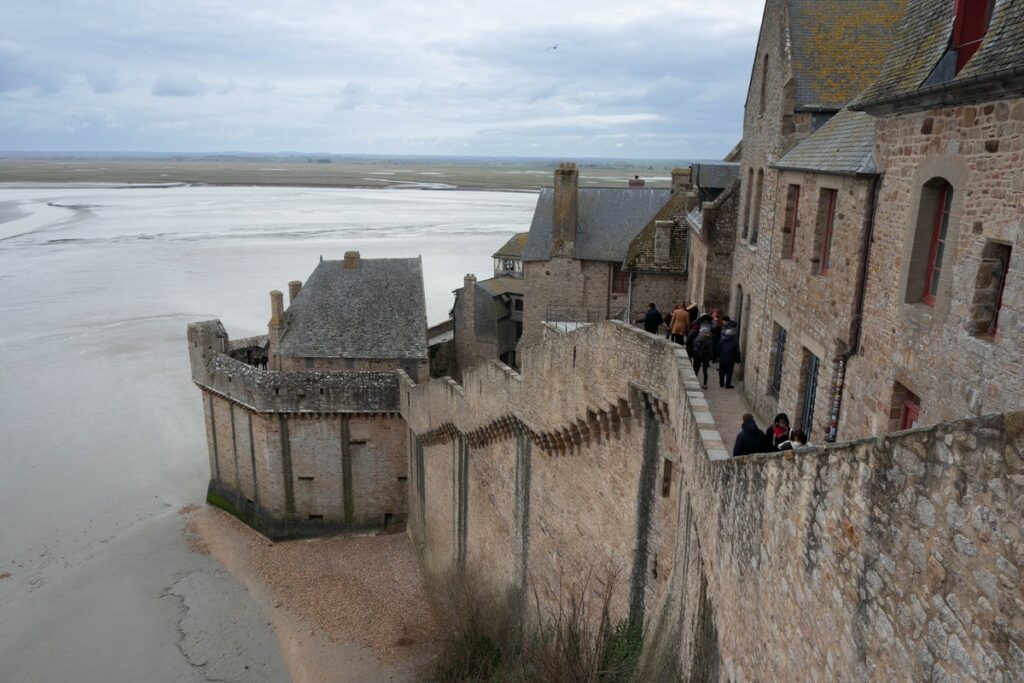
(728, 354)
(703, 348)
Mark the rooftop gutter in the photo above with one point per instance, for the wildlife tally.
(969, 88)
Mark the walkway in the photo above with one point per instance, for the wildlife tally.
(727, 406)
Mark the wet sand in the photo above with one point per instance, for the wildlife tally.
(345, 609)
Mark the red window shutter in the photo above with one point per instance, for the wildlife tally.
(938, 246)
(972, 19)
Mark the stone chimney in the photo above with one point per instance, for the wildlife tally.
(276, 324)
(563, 214)
(351, 260)
(293, 290)
(636, 181)
(681, 179)
(663, 241)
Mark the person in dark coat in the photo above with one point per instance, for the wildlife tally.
(703, 349)
(728, 354)
(750, 439)
(777, 432)
(652, 319)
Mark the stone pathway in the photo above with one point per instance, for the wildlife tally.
(727, 406)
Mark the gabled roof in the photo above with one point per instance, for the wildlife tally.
(640, 257)
(838, 47)
(513, 248)
(503, 284)
(714, 175)
(607, 219)
(375, 311)
(922, 39)
(844, 145)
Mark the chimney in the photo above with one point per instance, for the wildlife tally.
(351, 260)
(681, 179)
(293, 290)
(663, 241)
(276, 310)
(563, 215)
(636, 181)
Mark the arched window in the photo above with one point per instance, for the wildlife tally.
(746, 208)
(764, 83)
(971, 24)
(757, 206)
(927, 258)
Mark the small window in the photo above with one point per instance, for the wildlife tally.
(928, 250)
(305, 478)
(746, 207)
(764, 84)
(809, 391)
(666, 481)
(778, 354)
(518, 304)
(620, 280)
(906, 409)
(308, 362)
(989, 286)
(316, 518)
(823, 231)
(792, 221)
(757, 207)
(937, 246)
(969, 28)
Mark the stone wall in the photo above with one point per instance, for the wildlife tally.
(417, 368)
(569, 287)
(885, 559)
(664, 290)
(936, 351)
(300, 453)
(471, 348)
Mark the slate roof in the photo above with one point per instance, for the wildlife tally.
(714, 175)
(607, 218)
(640, 257)
(503, 284)
(923, 38)
(376, 311)
(838, 47)
(513, 248)
(843, 145)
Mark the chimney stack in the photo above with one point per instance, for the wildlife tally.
(681, 179)
(293, 290)
(663, 241)
(276, 309)
(351, 260)
(636, 181)
(563, 215)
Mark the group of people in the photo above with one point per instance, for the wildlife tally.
(708, 338)
(778, 436)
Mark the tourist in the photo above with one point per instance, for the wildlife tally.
(652, 320)
(750, 437)
(703, 349)
(263, 361)
(679, 324)
(728, 354)
(797, 439)
(691, 310)
(716, 332)
(777, 433)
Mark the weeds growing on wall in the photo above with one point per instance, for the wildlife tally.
(520, 639)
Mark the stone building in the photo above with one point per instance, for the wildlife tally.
(812, 58)
(711, 222)
(316, 443)
(574, 256)
(488, 314)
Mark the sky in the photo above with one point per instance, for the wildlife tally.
(632, 80)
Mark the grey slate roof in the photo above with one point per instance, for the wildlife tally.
(921, 41)
(377, 311)
(503, 284)
(838, 47)
(843, 145)
(714, 175)
(608, 218)
(513, 248)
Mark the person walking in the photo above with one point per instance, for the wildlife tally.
(652, 320)
(716, 332)
(750, 438)
(728, 354)
(703, 348)
(680, 324)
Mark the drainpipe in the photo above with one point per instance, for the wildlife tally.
(627, 317)
(857, 322)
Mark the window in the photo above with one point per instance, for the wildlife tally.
(757, 206)
(792, 211)
(989, 285)
(823, 231)
(906, 409)
(666, 480)
(937, 245)
(517, 304)
(620, 280)
(778, 353)
(746, 208)
(810, 391)
(971, 24)
(764, 84)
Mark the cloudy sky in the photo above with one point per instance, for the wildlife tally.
(628, 79)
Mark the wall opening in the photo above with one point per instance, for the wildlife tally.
(775, 359)
(927, 256)
(666, 480)
(791, 222)
(904, 410)
(746, 203)
(758, 192)
(808, 391)
(823, 227)
(989, 286)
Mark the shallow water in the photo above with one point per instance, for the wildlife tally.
(102, 428)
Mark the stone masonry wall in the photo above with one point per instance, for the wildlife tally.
(566, 283)
(933, 350)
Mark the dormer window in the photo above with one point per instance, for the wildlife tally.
(972, 19)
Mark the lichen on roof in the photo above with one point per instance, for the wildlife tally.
(838, 47)
(640, 257)
(844, 145)
(513, 248)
